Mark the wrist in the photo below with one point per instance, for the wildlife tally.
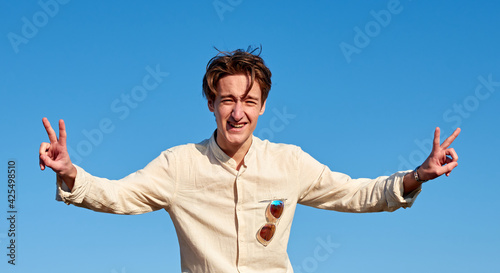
(69, 177)
(417, 176)
(69, 172)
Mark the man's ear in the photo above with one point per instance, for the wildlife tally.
(210, 104)
(263, 108)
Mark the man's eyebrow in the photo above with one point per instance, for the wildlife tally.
(227, 96)
(250, 97)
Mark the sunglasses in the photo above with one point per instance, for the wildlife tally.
(273, 213)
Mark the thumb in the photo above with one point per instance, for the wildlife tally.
(47, 161)
(449, 167)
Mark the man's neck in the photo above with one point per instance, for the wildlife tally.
(237, 153)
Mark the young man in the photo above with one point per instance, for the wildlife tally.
(232, 197)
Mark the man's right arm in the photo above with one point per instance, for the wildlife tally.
(145, 190)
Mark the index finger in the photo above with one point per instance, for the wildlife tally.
(436, 141)
(50, 132)
(447, 142)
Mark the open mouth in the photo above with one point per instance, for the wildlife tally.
(236, 125)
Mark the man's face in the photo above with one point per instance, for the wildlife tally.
(236, 114)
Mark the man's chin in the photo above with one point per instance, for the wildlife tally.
(237, 138)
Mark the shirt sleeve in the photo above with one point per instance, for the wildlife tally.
(322, 188)
(146, 190)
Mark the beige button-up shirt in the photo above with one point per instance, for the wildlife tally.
(217, 210)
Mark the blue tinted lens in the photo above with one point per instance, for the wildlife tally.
(276, 208)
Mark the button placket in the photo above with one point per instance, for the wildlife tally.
(242, 253)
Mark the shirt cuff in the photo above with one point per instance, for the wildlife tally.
(64, 194)
(398, 198)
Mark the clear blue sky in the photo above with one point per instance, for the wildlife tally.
(360, 85)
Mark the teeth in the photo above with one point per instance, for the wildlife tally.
(237, 125)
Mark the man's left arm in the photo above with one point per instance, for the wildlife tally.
(442, 160)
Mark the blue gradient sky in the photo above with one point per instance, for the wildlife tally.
(359, 91)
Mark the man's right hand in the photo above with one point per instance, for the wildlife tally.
(55, 154)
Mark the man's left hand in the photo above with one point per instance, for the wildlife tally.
(442, 159)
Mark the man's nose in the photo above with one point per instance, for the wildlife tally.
(238, 111)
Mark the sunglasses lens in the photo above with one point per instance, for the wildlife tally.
(273, 212)
(267, 232)
(276, 208)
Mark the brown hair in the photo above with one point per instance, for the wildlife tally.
(233, 63)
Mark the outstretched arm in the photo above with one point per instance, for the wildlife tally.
(140, 192)
(55, 154)
(442, 160)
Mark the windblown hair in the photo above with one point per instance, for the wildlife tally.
(233, 63)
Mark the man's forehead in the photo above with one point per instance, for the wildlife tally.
(237, 87)
(234, 80)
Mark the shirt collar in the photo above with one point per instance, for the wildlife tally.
(224, 158)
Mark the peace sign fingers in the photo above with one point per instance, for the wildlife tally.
(62, 132)
(50, 132)
(447, 142)
(442, 159)
(55, 154)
